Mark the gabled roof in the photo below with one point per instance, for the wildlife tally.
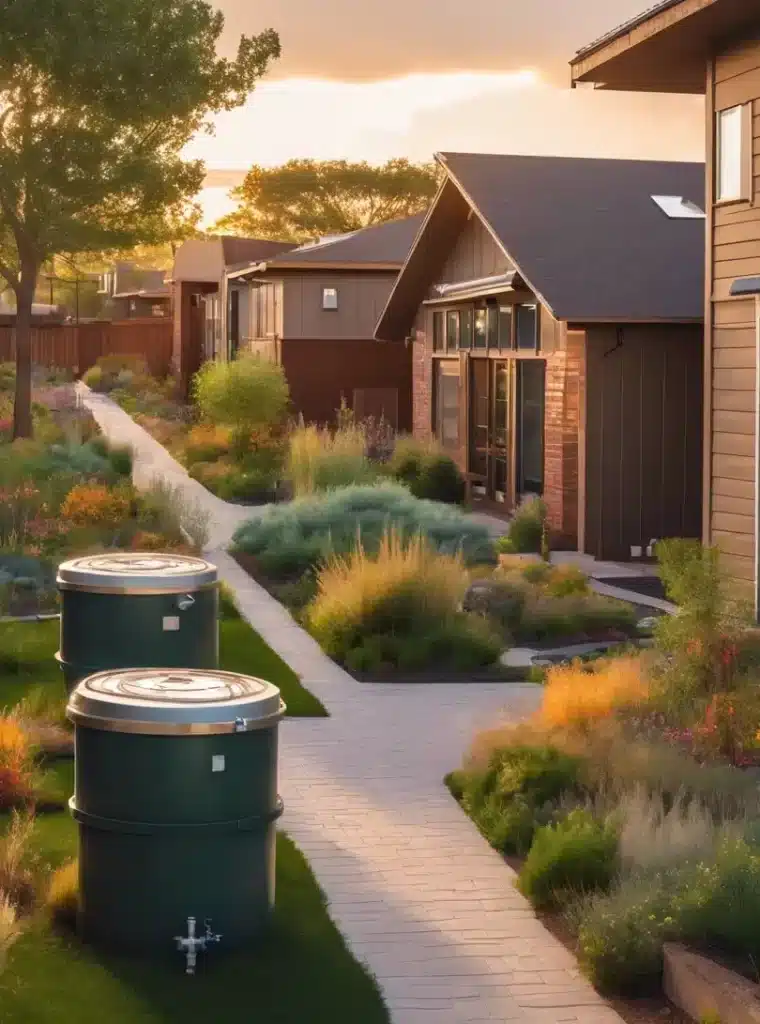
(249, 250)
(585, 235)
(383, 246)
(382, 243)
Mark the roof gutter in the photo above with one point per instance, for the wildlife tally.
(478, 288)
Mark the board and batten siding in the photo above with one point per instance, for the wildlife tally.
(733, 252)
(361, 300)
(475, 255)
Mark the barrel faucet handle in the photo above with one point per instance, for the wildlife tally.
(183, 603)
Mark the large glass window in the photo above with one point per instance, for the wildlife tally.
(447, 403)
(505, 328)
(531, 388)
(493, 327)
(730, 179)
(452, 331)
(438, 332)
(465, 328)
(480, 329)
(526, 327)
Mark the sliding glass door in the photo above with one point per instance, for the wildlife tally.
(506, 429)
(490, 428)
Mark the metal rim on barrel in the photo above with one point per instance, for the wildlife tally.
(165, 701)
(136, 572)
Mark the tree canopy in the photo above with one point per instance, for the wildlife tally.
(307, 199)
(97, 100)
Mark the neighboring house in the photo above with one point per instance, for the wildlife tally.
(200, 295)
(549, 358)
(712, 47)
(129, 292)
(314, 310)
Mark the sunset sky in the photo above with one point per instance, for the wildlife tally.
(380, 78)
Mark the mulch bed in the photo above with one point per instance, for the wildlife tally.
(646, 586)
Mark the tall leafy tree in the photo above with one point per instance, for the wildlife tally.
(306, 199)
(97, 100)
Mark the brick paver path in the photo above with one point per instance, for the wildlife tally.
(417, 892)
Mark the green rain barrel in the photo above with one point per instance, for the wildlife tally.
(176, 801)
(133, 610)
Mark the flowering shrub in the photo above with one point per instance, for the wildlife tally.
(145, 540)
(206, 443)
(16, 765)
(95, 505)
(575, 694)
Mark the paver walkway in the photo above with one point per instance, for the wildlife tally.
(416, 891)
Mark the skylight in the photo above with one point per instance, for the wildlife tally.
(678, 208)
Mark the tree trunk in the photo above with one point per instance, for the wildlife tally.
(22, 406)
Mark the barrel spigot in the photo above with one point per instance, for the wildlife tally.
(192, 944)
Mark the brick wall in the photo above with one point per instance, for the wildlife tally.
(422, 385)
(564, 394)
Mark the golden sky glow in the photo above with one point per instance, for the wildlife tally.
(505, 89)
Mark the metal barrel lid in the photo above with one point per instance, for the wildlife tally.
(132, 572)
(165, 701)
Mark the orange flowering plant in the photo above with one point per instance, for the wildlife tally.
(93, 504)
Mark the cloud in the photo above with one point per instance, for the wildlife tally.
(357, 40)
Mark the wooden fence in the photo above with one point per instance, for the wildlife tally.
(78, 347)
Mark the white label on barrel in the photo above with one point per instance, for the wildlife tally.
(217, 762)
(171, 623)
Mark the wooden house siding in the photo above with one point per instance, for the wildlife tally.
(643, 432)
(733, 252)
(475, 255)
(361, 300)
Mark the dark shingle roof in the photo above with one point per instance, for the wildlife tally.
(383, 243)
(242, 251)
(586, 234)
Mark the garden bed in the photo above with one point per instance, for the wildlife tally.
(629, 804)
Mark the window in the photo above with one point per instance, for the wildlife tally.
(329, 298)
(452, 331)
(505, 328)
(465, 328)
(480, 328)
(731, 160)
(438, 332)
(526, 327)
(493, 326)
(447, 404)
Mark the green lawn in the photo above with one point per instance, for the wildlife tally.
(27, 659)
(300, 973)
(241, 649)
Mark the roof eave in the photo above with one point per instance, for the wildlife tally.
(662, 50)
